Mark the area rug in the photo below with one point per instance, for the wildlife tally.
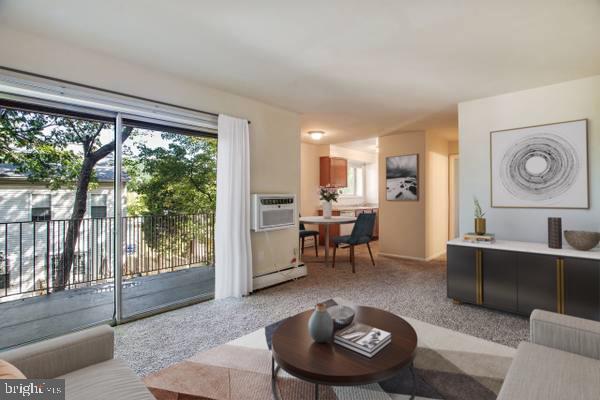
(449, 365)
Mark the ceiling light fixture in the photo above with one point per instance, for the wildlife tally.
(316, 135)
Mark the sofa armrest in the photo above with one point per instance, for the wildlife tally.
(58, 356)
(564, 332)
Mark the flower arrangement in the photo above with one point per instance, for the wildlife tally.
(477, 208)
(328, 193)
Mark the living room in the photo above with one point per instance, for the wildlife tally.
(427, 170)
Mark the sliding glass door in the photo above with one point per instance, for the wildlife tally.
(169, 194)
(103, 218)
(56, 242)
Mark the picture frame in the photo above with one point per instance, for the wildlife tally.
(540, 166)
(402, 177)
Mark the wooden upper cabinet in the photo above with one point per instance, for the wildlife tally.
(334, 172)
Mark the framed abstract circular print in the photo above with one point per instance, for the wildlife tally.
(544, 166)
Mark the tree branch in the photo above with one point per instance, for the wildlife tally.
(109, 147)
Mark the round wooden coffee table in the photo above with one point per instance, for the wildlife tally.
(294, 351)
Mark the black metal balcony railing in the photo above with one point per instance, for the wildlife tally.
(32, 258)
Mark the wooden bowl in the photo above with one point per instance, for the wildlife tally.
(582, 240)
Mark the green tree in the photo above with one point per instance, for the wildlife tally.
(174, 180)
(62, 153)
(173, 184)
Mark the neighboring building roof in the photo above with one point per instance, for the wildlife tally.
(104, 173)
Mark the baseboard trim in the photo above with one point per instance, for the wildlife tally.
(277, 277)
(441, 253)
(392, 255)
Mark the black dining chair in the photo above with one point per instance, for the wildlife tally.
(304, 234)
(362, 233)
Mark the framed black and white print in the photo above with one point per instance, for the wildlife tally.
(543, 166)
(402, 177)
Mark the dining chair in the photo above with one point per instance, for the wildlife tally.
(306, 233)
(362, 233)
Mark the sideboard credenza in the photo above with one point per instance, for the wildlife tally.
(519, 277)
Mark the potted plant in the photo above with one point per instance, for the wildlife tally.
(328, 195)
(479, 220)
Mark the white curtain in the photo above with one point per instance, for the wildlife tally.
(233, 253)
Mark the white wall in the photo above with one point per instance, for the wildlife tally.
(402, 224)
(555, 103)
(309, 178)
(436, 187)
(274, 132)
(372, 183)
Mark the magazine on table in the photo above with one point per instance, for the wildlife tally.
(361, 352)
(363, 338)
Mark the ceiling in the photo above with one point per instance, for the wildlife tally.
(365, 145)
(353, 68)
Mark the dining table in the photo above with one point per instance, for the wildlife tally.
(326, 222)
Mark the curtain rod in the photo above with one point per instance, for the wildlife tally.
(106, 90)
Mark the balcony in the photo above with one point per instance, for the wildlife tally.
(166, 259)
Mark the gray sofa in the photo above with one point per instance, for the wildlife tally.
(85, 361)
(561, 361)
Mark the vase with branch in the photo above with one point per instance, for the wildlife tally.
(328, 195)
(479, 220)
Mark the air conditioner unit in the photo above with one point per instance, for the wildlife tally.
(273, 211)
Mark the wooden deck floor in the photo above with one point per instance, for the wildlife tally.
(45, 316)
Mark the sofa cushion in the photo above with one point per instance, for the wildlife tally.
(565, 332)
(543, 373)
(64, 354)
(107, 380)
(9, 371)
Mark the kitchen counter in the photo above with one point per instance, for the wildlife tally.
(353, 208)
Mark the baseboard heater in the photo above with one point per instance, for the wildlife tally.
(277, 277)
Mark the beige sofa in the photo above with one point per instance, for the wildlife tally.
(85, 361)
(561, 361)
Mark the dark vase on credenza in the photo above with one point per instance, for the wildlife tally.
(555, 233)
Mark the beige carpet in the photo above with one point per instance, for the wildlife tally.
(410, 288)
(450, 365)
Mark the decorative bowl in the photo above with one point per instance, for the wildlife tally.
(582, 240)
(342, 315)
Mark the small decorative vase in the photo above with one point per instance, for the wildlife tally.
(555, 233)
(327, 208)
(480, 226)
(320, 324)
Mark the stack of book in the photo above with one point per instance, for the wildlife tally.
(475, 238)
(363, 339)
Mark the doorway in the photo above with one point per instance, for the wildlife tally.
(453, 190)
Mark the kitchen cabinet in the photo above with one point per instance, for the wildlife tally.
(333, 172)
